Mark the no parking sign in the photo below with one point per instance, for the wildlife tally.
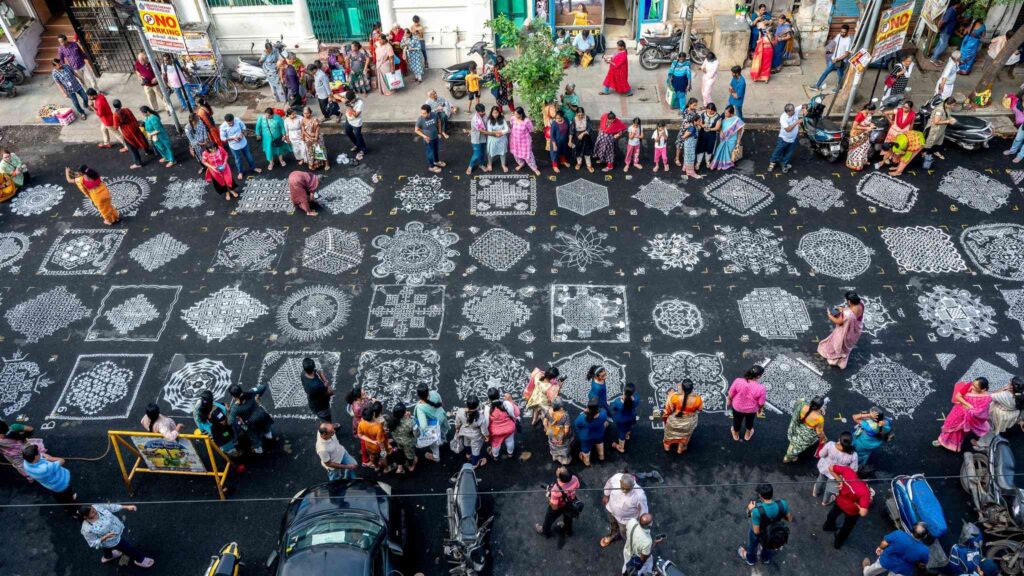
(160, 25)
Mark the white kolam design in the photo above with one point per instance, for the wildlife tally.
(499, 249)
(223, 313)
(495, 310)
(281, 372)
(923, 249)
(957, 313)
(265, 195)
(46, 314)
(704, 370)
(345, 195)
(738, 195)
(774, 313)
(422, 194)
(582, 248)
(758, 251)
(876, 315)
(660, 195)
(415, 254)
(996, 249)
(980, 368)
(890, 385)
(133, 313)
(188, 193)
(391, 376)
(82, 251)
(37, 200)
(974, 189)
(888, 192)
(503, 195)
(332, 251)
(787, 379)
(574, 367)
(313, 313)
(944, 359)
(499, 370)
(678, 318)
(588, 313)
(190, 374)
(249, 250)
(13, 247)
(1015, 300)
(818, 193)
(834, 253)
(404, 312)
(21, 380)
(582, 196)
(101, 387)
(675, 251)
(127, 193)
(157, 251)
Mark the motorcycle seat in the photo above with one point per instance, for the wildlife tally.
(250, 61)
(226, 566)
(466, 499)
(668, 41)
(459, 66)
(823, 124)
(1004, 467)
(969, 123)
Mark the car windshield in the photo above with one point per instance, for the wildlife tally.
(347, 530)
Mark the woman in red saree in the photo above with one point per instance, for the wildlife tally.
(218, 171)
(205, 113)
(761, 63)
(396, 35)
(849, 324)
(617, 78)
(901, 120)
(971, 402)
(134, 141)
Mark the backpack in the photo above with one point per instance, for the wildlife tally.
(774, 531)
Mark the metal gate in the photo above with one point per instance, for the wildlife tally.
(106, 30)
(343, 20)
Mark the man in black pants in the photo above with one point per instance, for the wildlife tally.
(318, 390)
(561, 495)
(354, 123)
(852, 502)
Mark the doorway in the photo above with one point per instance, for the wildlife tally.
(619, 20)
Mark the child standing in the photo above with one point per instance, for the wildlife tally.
(472, 87)
(660, 138)
(635, 136)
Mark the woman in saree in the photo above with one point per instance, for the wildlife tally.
(681, 415)
(396, 36)
(608, 132)
(412, 47)
(570, 103)
(270, 132)
(901, 120)
(12, 167)
(581, 140)
(197, 135)
(218, 171)
(783, 41)
(134, 140)
(293, 136)
(501, 88)
(158, 135)
(301, 187)
(708, 126)
(385, 64)
(205, 113)
(970, 47)
(860, 138)
(313, 140)
(541, 390)
(971, 402)
(871, 430)
(761, 63)
(728, 140)
(92, 186)
(359, 69)
(902, 151)
(806, 428)
(849, 324)
(559, 429)
(1007, 403)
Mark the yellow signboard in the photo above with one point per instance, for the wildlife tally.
(160, 24)
(892, 30)
(156, 455)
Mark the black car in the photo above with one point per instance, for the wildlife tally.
(346, 527)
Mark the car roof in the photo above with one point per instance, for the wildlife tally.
(341, 495)
(328, 560)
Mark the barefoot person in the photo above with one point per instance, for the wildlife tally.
(849, 324)
(93, 187)
(301, 186)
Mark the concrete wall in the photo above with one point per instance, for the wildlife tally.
(238, 28)
(452, 26)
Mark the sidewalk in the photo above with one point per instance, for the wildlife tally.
(764, 102)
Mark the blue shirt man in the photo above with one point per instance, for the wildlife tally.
(51, 474)
(900, 553)
(947, 26)
(737, 91)
(232, 131)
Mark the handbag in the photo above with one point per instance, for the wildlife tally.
(737, 153)
(635, 562)
(670, 95)
(457, 445)
(429, 435)
(395, 80)
(586, 59)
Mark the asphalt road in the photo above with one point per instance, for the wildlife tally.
(106, 353)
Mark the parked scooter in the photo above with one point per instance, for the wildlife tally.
(663, 567)
(455, 75)
(10, 69)
(7, 89)
(248, 70)
(658, 50)
(226, 563)
(968, 132)
(466, 545)
(912, 500)
(825, 136)
(989, 477)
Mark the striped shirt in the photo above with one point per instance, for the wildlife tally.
(71, 54)
(66, 78)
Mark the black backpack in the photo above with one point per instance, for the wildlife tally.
(774, 532)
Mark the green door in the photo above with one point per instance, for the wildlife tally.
(343, 20)
(514, 9)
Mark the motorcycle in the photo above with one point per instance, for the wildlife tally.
(466, 544)
(10, 69)
(226, 563)
(824, 136)
(664, 567)
(987, 475)
(968, 132)
(455, 75)
(658, 50)
(7, 89)
(912, 500)
(250, 72)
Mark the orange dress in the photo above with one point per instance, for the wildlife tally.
(97, 192)
(680, 421)
(374, 431)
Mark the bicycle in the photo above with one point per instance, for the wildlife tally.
(214, 86)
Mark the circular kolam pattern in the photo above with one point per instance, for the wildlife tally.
(37, 200)
(126, 194)
(188, 382)
(834, 253)
(13, 246)
(313, 313)
(678, 319)
(415, 254)
(996, 249)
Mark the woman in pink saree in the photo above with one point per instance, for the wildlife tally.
(849, 323)
(385, 64)
(971, 402)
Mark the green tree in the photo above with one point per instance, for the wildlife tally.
(538, 70)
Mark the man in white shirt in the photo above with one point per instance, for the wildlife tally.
(583, 43)
(947, 81)
(354, 123)
(322, 87)
(789, 129)
(232, 131)
(624, 501)
(333, 456)
(639, 543)
(836, 54)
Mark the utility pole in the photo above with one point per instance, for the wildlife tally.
(684, 41)
(866, 41)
